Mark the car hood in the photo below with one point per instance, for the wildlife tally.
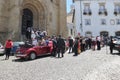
(22, 50)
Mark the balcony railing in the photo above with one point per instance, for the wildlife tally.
(103, 12)
(87, 12)
(116, 12)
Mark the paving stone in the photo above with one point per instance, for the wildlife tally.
(89, 65)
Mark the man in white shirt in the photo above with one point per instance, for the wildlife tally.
(34, 42)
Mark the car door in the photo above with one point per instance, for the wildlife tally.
(40, 50)
(46, 49)
(43, 50)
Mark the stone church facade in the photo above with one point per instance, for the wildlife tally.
(16, 15)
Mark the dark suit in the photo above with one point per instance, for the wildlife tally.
(60, 47)
(111, 46)
(54, 47)
(70, 44)
(76, 47)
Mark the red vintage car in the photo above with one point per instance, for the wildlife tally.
(31, 52)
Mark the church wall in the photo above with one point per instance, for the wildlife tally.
(50, 16)
(14, 20)
(4, 19)
(63, 15)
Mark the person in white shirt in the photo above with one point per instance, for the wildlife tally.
(33, 35)
(34, 42)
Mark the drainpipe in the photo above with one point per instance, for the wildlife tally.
(81, 23)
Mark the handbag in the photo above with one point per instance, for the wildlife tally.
(79, 51)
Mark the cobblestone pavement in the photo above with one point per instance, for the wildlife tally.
(89, 65)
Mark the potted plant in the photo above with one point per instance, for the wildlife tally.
(84, 13)
(115, 13)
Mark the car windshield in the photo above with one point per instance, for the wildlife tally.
(17, 43)
(117, 41)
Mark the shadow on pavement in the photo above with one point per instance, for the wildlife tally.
(116, 54)
(25, 60)
(2, 60)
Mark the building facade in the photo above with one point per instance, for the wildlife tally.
(70, 22)
(17, 15)
(97, 17)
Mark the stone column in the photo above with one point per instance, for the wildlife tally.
(3, 15)
(62, 18)
(14, 19)
(4, 4)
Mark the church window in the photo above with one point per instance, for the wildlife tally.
(117, 9)
(87, 10)
(103, 22)
(87, 22)
(102, 9)
(118, 22)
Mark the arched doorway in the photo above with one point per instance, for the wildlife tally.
(104, 33)
(34, 15)
(27, 20)
(117, 33)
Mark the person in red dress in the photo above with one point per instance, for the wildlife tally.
(8, 46)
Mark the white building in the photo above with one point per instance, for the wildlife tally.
(70, 22)
(97, 17)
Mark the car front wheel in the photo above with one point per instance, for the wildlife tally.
(32, 56)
